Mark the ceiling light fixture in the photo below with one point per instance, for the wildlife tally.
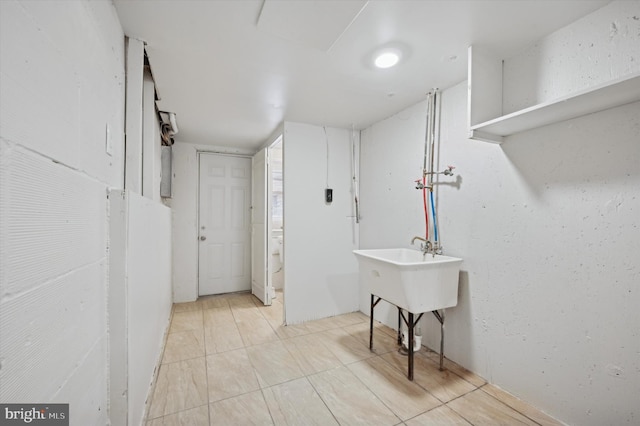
(386, 59)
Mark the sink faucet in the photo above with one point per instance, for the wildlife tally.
(425, 247)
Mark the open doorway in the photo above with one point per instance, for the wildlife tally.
(277, 231)
(267, 256)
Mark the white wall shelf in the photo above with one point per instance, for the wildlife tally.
(485, 71)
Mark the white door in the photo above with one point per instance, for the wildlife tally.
(224, 224)
(260, 230)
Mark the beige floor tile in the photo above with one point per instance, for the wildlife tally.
(444, 385)
(337, 321)
(256, 331)
(382, 342)
(183, 321)
(265, 383)
(194, 417)
(273, 313)
(222, 338)
(344, 346)
(520, 406)
(441, 416)
(183, 345)
(246, 313)
(216, 317)
(243, 299)
(277, 304)
(287, 331)
(273, 364)
(214, 302)
(349, 400)
(248, 409)
(479, 408)
(384, 328)
(459, 370)
(230, 374)
(181, 385)
(311, 354)
(351, 318)
(297, 403)
(186, 307)
(319, 325)
(221, 332)
(405, 398)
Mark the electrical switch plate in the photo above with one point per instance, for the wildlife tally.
(328, 195)
(108, 144)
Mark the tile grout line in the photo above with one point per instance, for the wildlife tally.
(156, 373)
(375, 394)
(321, 398)
(206, 369)
(508, 405)
(376, 355)
(146, 418)
(416, 383)
(267, 405)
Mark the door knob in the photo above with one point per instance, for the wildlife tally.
(202, 238)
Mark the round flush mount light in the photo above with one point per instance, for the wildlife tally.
(386, 59)
(385, 56)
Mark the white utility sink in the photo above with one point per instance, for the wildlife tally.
(409, 279)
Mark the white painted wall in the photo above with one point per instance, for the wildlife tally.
(61, 85)
(391, 208)
(547, 226)
(600, 47)
(150, 296)
(184, 205)
(320, 277)
(140, 299)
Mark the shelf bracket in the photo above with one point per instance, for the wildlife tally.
(485, 137)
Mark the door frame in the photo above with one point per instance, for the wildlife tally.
(278, 140)
(198, 154)
(261, 229)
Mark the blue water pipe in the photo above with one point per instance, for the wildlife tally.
(433, 214)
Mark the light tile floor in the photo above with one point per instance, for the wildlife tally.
(229, 360)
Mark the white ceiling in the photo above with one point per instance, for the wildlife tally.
(233, 70)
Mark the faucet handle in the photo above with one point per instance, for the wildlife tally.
(449, 170)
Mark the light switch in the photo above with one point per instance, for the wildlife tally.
(108, 144)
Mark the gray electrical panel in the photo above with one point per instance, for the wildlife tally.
(165, 181)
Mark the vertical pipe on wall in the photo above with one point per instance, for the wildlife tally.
(354, 174)
(428, 162)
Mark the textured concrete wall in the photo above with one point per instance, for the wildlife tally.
(547, 226)
(600, 47)
(61, 88)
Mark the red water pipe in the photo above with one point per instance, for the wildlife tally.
(426, 211)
